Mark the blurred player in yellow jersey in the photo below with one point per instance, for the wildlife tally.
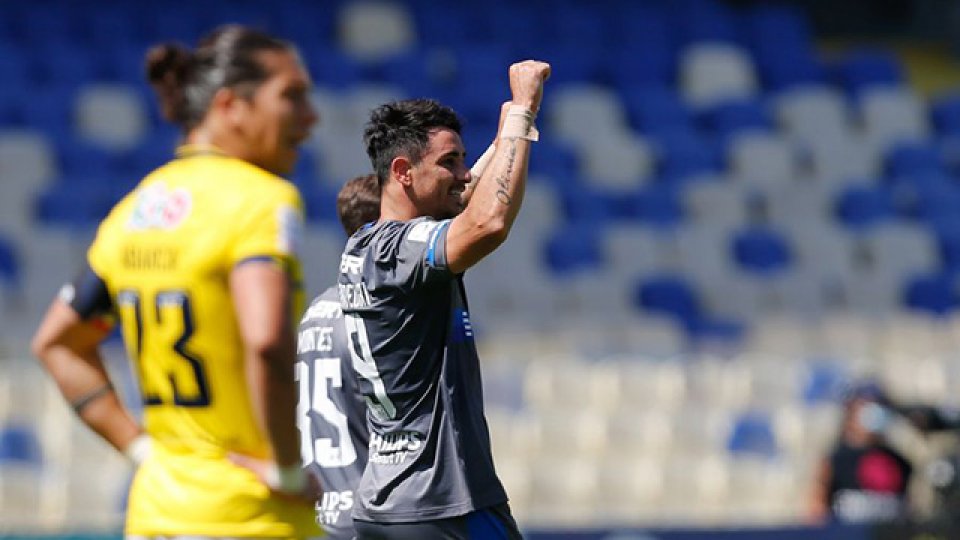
(198, 265)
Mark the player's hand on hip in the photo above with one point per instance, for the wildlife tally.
(526, 83)
(304, 488)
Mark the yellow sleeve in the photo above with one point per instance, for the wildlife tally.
(271, 227)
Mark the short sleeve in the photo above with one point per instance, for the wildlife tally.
(270, 228)
(421, 252)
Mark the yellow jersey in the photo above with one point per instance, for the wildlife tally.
(165, 253)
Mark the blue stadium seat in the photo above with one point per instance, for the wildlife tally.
(582, 204)
(705, 20)
(332, 68)
(781, 41)
(655, 108)
(761, 250)
(19, 445)
(932, 293)
(909, 158)
(9, 263)
(824, 382)
(934, 200)
(684, 152)
(67, 206)
(657, 206)
(753, 435)
(669, 294)
(726, 119)
(945, 114)
(862, 68)
(862, 206)
(573, 248)
(554, 159)
(946, 231)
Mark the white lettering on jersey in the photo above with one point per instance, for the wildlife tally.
(319, 339)
(421, 231)
(324, 309)
(331, 504)
(350, 264)
(354, 295)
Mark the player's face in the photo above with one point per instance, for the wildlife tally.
(441, 176)
(280, 114)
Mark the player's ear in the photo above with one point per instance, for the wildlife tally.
(230, 105)
(401, 170)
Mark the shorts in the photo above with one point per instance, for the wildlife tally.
(494, 523)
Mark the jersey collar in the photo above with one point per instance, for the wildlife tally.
(193, 150)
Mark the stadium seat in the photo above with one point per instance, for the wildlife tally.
(812, 111)
(718, 203)
(19, 444)
(656, 206)
(935, 293)
(728, 119)
(862, 206)
(901, 248)
(683, 153)
(573, 248)
(945, 114)
(762, 251)
(892, 114)
(669, 295)
(620, 161)
(753, 434)
(713, 72)
(9, 264)
(761, 159)
(914, 158)
(112, 116)
(863, 68)
(576, 113)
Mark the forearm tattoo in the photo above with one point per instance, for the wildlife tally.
(503, 180)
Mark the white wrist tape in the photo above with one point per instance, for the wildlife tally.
(519, 124)
(290, 479)
(139, 449)
(482, 162)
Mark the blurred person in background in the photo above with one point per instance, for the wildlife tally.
(864, 479)
(198, 265)
(331, 412)
(430, 472)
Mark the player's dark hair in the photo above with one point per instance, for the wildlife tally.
(402, 128)
(358, 202)
(185, 81)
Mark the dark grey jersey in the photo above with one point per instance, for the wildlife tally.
(413, 349)
(331, 413)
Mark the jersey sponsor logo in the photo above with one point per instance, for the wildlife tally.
(324, 309)
(351, 264)
(158, 207)
(420, 232)
(394, 448)
(354, 295)
(317, 339)
(462, 327)
(332, 505)
(290, 230)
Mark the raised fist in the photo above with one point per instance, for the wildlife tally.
(526, 83)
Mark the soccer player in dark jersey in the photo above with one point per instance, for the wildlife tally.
(430, 472)
(331, 413)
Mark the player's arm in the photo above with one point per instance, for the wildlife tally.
(262, 295)
(476, 171)
(486, 221)
(67, 345)
(818, 508)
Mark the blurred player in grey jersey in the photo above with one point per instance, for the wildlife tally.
(331, 413)
(430, 472)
